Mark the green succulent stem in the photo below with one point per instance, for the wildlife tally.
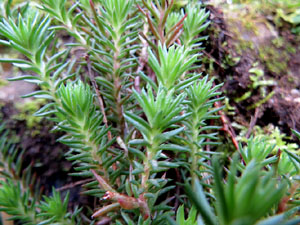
(47, 82)
(28, 214)
(147, 165)
(146, 173)
(117, 96)
(75, 33)
(194, 148)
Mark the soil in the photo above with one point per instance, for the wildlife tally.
(230, 40)
(45, 155)
(41, 151)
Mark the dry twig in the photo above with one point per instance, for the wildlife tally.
(71, 185)
(252, 122)
(142, 59)
(228, 128)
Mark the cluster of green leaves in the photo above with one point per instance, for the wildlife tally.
(266, 144)
(83, 124)
(193, 25)
(22, 200)
(11, 9)
(239, 200)
(126, 139)
(260, 175)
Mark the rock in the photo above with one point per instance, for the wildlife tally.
(295, 92)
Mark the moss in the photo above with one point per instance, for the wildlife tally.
(246, 45)
(276, 60)
(275, 54)
(291, 79)
(241, 44)
(3, 82)
(278, 42)
(291, 49)
(26, 111)
(230, 60)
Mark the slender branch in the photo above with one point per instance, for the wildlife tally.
(175, 35)
(226, 126)
(105, 186)
(228, 129)
(252, 122)
(213, 58)
(146, 173)
(123, 201)
(71, 185)
(152, 28)
(160, 27)
(177, 24)
(155, 9)
(106, 209)
(284, 201)
(94, 83)
(153, 46)
(141, 10)
(104, 220)
(166, 14)
(142, 59)
(151, 10)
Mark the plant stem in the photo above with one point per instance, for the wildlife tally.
(118, 84)
(106, 209)
(147, 165)
(146, 174)
(194, 149)
(92, 77)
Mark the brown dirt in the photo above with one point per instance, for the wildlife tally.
(44, 154)
(283, 109)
